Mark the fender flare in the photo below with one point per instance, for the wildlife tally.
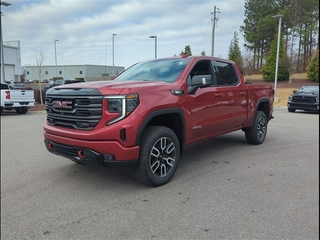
(159, 113)
(251, 116)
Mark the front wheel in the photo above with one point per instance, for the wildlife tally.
(291, 109)
(21, 110)
(159, 156)
(258, 130)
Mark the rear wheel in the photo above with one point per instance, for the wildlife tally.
(159, 156)
(291, 109)
(21, 110)
(258, 130)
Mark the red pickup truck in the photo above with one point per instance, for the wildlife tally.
(148, 114)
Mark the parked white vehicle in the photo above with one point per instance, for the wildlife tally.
(19, 100)
(29, 81)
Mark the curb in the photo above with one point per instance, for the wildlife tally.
(37, 112)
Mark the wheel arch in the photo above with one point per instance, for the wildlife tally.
(172, 118)
(262, 105)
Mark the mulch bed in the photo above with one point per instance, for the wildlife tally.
(296, 83)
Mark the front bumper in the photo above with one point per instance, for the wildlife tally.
(104, 153)
(303, 106)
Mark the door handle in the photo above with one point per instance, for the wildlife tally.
(242, 93)
(218, 95)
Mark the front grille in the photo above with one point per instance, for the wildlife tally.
(73, 108)
(303, 99)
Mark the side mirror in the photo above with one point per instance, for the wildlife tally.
(294, 91)
(199, 81)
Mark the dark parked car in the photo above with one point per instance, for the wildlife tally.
(61, 82)
(306, 98)
(15, 85)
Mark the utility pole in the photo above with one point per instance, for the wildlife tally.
(214, 20)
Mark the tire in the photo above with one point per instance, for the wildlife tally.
(21, 110)
(258, 130)
(291, 109)
(159, 156)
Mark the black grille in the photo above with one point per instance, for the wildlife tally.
(66, 151)
(303, 99)
(70, 109)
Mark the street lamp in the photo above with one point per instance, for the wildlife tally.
(113, 53)
(105, 63)
(155, 45)
(55, 54)
(2, 54)
(277, 60)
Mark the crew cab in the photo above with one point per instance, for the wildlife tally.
(150, 112)
(17, 99)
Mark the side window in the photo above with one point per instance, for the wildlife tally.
(4, 86)
(201, 68)
(226, 73)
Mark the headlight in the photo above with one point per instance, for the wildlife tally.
(122, 104)
(290, 98)
(317, 99)
(114, 105)
(132, 103)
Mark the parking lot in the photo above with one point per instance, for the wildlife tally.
(224, 188)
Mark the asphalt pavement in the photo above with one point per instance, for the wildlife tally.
(224, 188)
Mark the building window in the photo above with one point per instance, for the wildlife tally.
(27, 72)
(60, 72)
(46, 72)
(80, 72)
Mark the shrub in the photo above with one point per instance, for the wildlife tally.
(313, 68)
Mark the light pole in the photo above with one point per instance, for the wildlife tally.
(55, 54)
(2, 54)
(277, 60)
(105, 63)
(113, 53)
(155, 45)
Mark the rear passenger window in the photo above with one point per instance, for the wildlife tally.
(226, 73)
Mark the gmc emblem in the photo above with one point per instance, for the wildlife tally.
(62, 104)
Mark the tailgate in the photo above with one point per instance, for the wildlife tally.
(22, 95)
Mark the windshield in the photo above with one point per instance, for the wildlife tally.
(309, 89)
(167, 70)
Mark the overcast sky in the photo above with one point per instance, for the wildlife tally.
(84, 29)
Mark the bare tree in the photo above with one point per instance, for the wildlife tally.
(40, 72)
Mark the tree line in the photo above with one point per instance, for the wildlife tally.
(299, 41)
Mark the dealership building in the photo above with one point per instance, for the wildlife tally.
(13, 70)
(86, 72)
(11, 56)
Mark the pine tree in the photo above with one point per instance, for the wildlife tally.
(187, 50)
(234, 53)
(268, 70)
(313, 69)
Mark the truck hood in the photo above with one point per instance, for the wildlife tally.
(313, 94)
(123, 87)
